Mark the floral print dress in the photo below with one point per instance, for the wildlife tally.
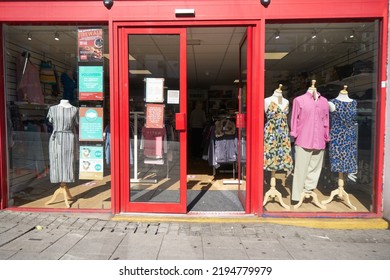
(277, 145)
(343, 137)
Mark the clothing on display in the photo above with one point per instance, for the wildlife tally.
(29, 85)
(107, 146)
(153, 142)
(310, 128)
(310, 121)
(223, 143)
(277, 146)
(69, 86)
(343, 137)
(62, 143)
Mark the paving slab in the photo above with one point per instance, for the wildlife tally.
(265, 250)
(181, 247)
(14, 233)
(222, 242)
(138, 247)
(5, 254)
(213, 253)
(33, 241)
(102, 244)
(67, 240)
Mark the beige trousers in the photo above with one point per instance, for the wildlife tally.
(307, 170)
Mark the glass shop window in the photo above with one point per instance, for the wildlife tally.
(320, 113)
(57, 106)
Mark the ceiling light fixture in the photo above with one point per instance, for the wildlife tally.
(29, 36)
(277, 35)
(275, 55)
(314, 34)
(140, 72)
(56, 36)
(352, 35)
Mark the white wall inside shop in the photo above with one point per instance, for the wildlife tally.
(386, 179)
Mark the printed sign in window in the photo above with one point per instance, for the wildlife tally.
(91, 163)
(155, 115)
(91, 82)
(91, 124)
(154, 90)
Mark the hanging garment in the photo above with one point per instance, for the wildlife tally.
(277, 145)
(154, 142)
(223, 143)
(62, 143)
(107, 146)
(29, 86)
(69, 85)
(343, 137)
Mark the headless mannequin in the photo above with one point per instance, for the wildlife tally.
(63, 188)
(307, 194)
(277, 97)
(65, 103)
(313, 90)
(343, 96)
(340, 192)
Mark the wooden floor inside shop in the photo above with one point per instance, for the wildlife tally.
(30, 190)
(203, 183)
(358, 198)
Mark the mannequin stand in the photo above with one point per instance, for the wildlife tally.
(308, 194)
(65, 191)
(340, 192)
(274, 193)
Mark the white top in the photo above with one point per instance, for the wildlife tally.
(342, 97)
(65, 103)
(278, 98)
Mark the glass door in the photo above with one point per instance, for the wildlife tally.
(153, 130)
(243, 192)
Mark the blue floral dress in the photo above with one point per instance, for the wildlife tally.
(277, 145)
(343, 138)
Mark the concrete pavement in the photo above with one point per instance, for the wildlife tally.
(85, 236)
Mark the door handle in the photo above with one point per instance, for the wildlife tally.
(181, 123)
(240, 120)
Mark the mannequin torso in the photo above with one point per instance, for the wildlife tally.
(65, 103)
(277, 98)
(343, 96)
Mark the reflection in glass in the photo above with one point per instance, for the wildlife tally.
(41, 73)
(154, 142)
(333, 60)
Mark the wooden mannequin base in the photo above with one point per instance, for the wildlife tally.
(66, 193)
(308, 194)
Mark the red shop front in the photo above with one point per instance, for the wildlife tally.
(193, 107)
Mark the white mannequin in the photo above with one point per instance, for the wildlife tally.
(276, 97)
(65, 103)
(313, 90)
(343, 96)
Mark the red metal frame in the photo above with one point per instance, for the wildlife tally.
(208, 13)
(124, 82)
(3, 133)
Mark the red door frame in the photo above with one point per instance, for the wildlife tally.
(152, 207)
(120, 179)
(248, 38)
